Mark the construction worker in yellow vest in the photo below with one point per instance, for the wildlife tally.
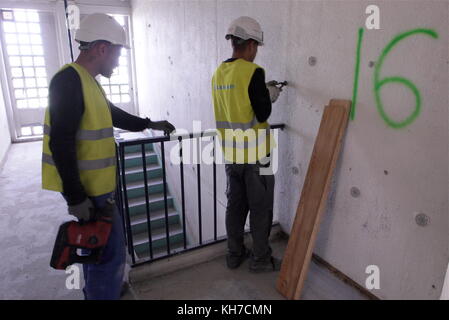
(78, 156)
(242, 104)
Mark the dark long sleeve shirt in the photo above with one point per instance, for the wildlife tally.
(66, 107)
(258, 94)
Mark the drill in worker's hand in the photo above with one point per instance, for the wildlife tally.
(275, 88)
(92, 235)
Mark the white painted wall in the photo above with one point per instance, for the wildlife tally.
(399, 172)
(5, 137)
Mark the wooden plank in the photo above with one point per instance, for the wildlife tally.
(313, 199)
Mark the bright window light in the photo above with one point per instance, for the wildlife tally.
(13, 50)
(31, 93)
(25, 50)
(43, 92)
(38, 50)
(19, 93)
(43, 102)
(8, 15)
(126, 98)
(24, 39)
(38, 130)
(107, 90)
(20, 16)
(24, 47)
(114, 80)
(33, 103)
(42, 82)
(26, 131)
(29, 72)
(22, 27)
(22, 104)
(11, 38)
(30, 82)
(17, 83)
(16, 72)
(115, 89)
(124, 89)
(115, 98)
(33, 16)
(27, 61)
(9, 27)
(39, 61)
(35, 39)
(41, 72)
(34, 27)
(15, 61)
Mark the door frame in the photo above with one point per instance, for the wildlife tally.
(55, 9)
(63, 45)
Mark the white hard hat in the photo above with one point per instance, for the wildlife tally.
(100, 26)
(245, 28)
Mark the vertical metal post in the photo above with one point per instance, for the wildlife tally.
(125, 195)
(68, 29)
(118, 194)
(167, 231)
(199, 193)
(182, 193)
(147, 200)
(214, 167)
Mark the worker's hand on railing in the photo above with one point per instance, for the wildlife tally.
(164, 125)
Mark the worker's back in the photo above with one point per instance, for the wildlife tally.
(235, 118)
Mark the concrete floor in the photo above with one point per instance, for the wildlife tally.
(211, 279)
(29, 220)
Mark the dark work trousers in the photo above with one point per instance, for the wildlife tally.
(247, 190)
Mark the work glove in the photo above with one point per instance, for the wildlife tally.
(83, 211)
(273, 90)
(164, 125)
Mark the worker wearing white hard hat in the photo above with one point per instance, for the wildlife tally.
(242, 105)
(99, 26)
(79, 153)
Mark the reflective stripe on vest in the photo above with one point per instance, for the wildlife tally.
(88, 134)
(85, 164)
(236, 125)
(243, 138)
(95, 144)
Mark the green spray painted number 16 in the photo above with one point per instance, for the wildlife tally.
(379, 83)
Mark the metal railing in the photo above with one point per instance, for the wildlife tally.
(123, 201)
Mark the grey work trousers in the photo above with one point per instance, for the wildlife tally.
(247, 190)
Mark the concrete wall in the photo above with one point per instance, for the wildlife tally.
(399, 172)
(5, 137)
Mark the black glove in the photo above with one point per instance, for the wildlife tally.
(164, 125)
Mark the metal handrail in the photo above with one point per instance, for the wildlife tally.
(122, 195)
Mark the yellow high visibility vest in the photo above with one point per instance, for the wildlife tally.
(95, 144)
(243, 138)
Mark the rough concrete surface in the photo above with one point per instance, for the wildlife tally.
(29, 220)
(396, 172)
(213, 280)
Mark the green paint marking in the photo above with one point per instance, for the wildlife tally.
(356, 75)
(378, 83)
